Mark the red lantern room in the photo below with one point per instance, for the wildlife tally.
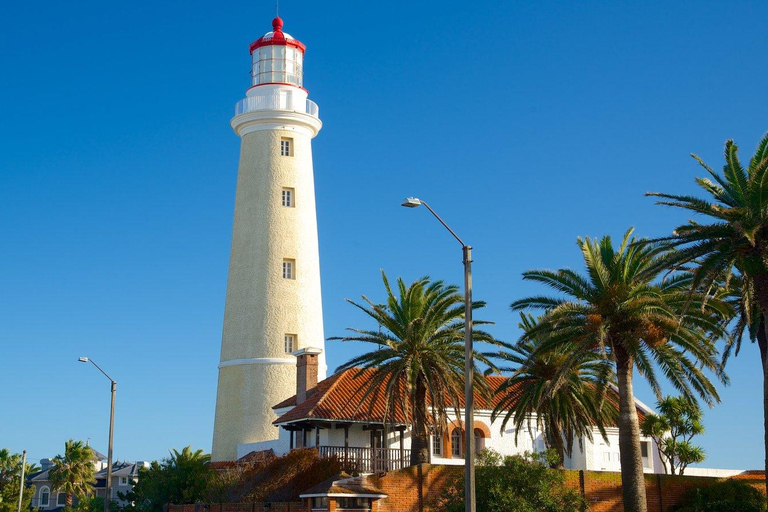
(277, 58)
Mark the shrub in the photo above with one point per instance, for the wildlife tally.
(514, 484)
(730, 495)
(281, 478)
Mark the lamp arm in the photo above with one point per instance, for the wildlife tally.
(443, 223)
(102, 371)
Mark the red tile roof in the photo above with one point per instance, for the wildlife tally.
(752, 474)
(341, 397)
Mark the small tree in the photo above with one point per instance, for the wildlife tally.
(10, 476)
(515, 484)
(672, 430)
(182, 478)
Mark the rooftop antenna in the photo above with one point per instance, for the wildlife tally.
(277, 8)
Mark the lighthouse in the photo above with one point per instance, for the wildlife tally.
(273, 303)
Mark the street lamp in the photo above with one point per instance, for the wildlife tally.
(108, 498)
(469, 396)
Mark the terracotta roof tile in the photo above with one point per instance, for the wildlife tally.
(343, 484)
(752, 474)
(341, 397)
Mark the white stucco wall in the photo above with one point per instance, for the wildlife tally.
(261, 306)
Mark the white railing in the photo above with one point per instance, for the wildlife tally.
(276, 102)
(368, 460)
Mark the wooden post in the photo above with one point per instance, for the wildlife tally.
(317, 437)
(346, 444)
(661, 496)
(290, 436)
(402, 449)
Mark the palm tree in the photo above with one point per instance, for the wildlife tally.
(10, 480)
(732, 245)
(73, 473)
(419, 358)
(566, 407)
(189, 473)
(618, 310)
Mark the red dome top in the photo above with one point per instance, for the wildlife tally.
(277, 38)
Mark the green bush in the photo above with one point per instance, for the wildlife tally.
(514, 484)
(725, 496)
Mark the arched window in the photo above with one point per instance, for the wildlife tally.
(479, 440)
(45, 496)
(456, 443)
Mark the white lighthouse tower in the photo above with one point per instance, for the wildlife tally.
(273, 304)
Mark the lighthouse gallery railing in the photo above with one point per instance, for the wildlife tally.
(276, 102)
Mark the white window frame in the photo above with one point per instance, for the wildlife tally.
(289, 268)
(437, 444)
(47, 491)
(58, 499)
(456, 441)
(123, 480)
(479, 440)
(289, 343)
(288, 197)
(286, 146)
(647, 459)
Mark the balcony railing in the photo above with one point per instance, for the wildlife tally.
(369, 460)
(276, 102)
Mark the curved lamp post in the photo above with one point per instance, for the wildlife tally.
(108, 497)
(469, 396)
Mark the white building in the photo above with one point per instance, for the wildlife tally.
(333, 416)
(273, 303)
(124, 476)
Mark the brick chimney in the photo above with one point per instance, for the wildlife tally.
(306, 372)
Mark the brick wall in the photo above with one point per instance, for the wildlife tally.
(239, 507)
(413, 489)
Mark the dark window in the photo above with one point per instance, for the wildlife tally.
(353, 504)
(456, 437)
(320, 503)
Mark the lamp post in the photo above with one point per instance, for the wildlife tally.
(469, 396)
(108, 497)
(21, 482)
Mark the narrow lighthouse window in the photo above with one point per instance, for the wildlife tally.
(288, 197)
(286, 147)
(289, 271)
(290, 343)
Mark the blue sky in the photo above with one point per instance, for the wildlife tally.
(525, 124)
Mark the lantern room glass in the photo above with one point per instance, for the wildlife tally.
(277, 64)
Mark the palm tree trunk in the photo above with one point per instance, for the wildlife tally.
(553, 440)
(632, 479)
(762, 338)
(761, 291)
(420, 438)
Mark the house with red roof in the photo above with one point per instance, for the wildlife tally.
(338, 417)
